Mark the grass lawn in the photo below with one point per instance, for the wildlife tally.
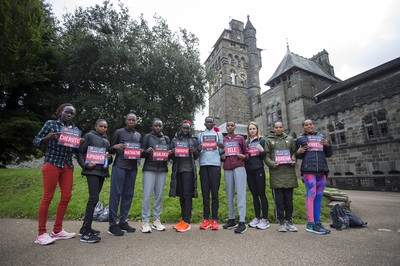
(21, 192)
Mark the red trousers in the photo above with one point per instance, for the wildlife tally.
(51, 176)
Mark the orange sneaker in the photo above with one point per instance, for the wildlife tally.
(205, 224)
(214, 225)
(183, 227)
(178, 224)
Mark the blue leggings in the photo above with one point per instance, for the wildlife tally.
(315, 184)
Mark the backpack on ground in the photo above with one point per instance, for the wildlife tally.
(98, 210)
(104, 216)
(340, 220)
(354, 220)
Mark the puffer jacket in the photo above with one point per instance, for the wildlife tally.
(255, 162)
(192, 140)
(93, 138)
(283, 176)
(151, 140)
(313, 161)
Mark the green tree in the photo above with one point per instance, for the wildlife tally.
(115, 64)
(29, 74)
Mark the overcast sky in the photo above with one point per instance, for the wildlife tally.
(357, 34)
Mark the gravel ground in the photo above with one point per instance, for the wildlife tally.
(36, 163)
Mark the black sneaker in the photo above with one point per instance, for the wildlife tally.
(241, 228)
(126, 227)
(89, 237)
(322, 227)
(115, 230)
(313, 228)
(96, 232)
(230, 224)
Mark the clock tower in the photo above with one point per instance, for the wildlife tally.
(233, 74)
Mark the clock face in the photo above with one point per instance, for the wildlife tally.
(242, 76)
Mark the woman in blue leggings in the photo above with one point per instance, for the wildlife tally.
(313, 149)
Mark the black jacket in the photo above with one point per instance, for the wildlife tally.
(151, 140)
(193, 142)
(93, 139)
(313, 161)
(255, 162)
(124, 135)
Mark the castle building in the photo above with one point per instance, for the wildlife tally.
(360, 115)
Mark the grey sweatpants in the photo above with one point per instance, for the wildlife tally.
(236, 179)
(152, 181)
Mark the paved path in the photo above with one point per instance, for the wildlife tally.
(377, 244)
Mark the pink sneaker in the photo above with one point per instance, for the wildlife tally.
(44, 239)
(62, 235)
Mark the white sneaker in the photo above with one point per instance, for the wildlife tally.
(282, 227)
(44, 239)
(158, 226)
(62, 235)
(263, 224)
(290, 226)
(254, 222)
(146, 227)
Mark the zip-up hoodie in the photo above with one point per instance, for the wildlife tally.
(232, 162)
(151, 140)
(213, 157)
(256, 162)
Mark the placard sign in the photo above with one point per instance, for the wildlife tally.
(160, 153)
(313, 143)
(209, 142)
(132, 151)
(231, 148)
(70, 137)
(182, 149)
(283, 156)
(95, 155)
(252, 149)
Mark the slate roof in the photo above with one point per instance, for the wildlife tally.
(249, 26)
(292, 60)
(360, 78)
(371, 86)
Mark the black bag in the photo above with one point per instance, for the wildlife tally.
(354, 220)
(340, 220)
(104, 215)
(98, 210)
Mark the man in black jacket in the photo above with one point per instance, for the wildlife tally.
(123, 176)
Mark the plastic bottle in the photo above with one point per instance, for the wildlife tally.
(105, 166)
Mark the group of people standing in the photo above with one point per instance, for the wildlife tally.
(242, 160)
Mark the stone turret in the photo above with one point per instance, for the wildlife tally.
(254, 57)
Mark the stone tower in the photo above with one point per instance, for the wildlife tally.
(233, 74)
